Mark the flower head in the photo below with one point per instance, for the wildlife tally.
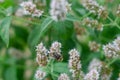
(59, 9)
(37, 13)
(74, 63)
(29, 8)
(116, 43)
(39, 75)
(55, 51)
(95, 8)
(63, 76)
(95, 64)
(94, 46)
(41, 55)
(94, 24)
(92, 75)
(112, 50)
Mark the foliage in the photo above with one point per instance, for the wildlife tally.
(20, 34)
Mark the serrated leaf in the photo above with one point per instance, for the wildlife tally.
(38, 32)
(4, 29)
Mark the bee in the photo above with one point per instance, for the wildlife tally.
(57, 56)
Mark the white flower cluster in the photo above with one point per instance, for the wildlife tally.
(93, 24)
(39, 75)
(106, 73)
(95, 64)
(92, 75)
(74, 63)
(1, 1)
(55, 51)
(118, 10)
(43, 54)
(112, 50)
(63, 76)
(95, 8)
(94, 46)
(94, 68)
(55, 47)
(29, 8)
(41, 58)
(59, 9)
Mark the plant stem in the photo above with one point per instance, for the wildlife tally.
(114, 22)
(111, 62)
(85, 16)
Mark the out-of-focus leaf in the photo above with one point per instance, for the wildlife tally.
(9, 11)
(61, 67)
(4, 29)
(38, 32)
(72, 18)
(10, 73)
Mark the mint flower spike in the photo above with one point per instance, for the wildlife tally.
(59, 9)
(112, 50)
(95, 8)
(41, 57)
(75, 64)
(96, 64)
(92, 75)
(63, 76)
(55, 51)
(29, 8)
(39, 75)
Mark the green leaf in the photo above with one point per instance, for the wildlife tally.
(38, 32)
(61, 67)
(11, 73)
(9, 11)
(72, 18)
(4, 29)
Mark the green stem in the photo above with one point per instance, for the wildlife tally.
(116, 19)
(114, 22)
(108, 24)
(86, 15)
(111, 62)
(51, 68)
(110, 19)
(81, 18)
